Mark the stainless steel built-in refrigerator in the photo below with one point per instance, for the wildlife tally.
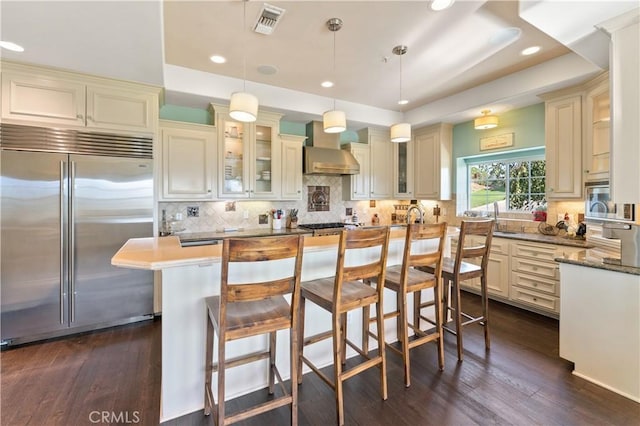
(64, 215)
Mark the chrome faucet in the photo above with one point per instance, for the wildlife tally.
(495, 215)
(420, 213)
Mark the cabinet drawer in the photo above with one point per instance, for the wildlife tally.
(539, 300)
(530, 266)
(545, 253)
(531, 282)
(499, 246)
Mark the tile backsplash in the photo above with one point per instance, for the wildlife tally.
(216, 215)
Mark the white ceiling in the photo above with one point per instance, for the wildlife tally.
(459, 60)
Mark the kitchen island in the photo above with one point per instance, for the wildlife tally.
(189, 274)
(600, 321)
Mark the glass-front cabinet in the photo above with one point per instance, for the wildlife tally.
(403, 170)
(249, 156)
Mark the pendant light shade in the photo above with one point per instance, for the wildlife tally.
(486, 121)
(401, 132)
(334, 121)
(243, 107)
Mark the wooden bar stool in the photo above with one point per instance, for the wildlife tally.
(343, 293)
(251, 308)
(474, 243)
(405, 279)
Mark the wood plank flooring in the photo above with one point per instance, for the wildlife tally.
(520, 381)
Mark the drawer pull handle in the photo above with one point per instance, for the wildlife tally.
(535, 268)
(535, 299)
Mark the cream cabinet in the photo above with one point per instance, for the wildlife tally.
(358, 185)
(597, 129)
(563, 146)
(535, 279)
(433, 162)
(291, 166)
(403, 170)
(188, 161)
(249, 156)
(34, 95)
(497, 267)
(374, 154)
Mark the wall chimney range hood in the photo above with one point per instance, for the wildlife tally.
(323, 156)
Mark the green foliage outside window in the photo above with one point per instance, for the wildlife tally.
(515, 184)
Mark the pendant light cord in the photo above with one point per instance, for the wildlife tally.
(334, 68)
(244, 45)
(400, 100)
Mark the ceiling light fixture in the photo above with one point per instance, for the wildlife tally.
(486, 121)
(334, 121)
(11, 46)
(243, 106)
(530, 50)
(218, 59)
(400, 132)
(441, 4)
(327, 84)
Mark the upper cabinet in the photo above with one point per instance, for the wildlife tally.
(597, 129)
(563, 145)
(291, 166)
(188, 158)
(374, 182)
(403, 170)
(249, 156)
(433, 162)
(358, 185)
(34, 95)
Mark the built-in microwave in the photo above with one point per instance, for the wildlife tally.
(598, 204)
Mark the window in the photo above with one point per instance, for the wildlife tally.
(516, 184)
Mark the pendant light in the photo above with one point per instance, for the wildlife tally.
(400, 132)
(243, 106)
(486, 121)
(334, 121)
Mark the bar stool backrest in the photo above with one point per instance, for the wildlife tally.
(360, 239)
(432, 258)
(266, 249)
(481, 228)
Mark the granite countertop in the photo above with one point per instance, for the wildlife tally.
(240, 233)
(594, 258)
(541, 238)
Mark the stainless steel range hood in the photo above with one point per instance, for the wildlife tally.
(323, 156)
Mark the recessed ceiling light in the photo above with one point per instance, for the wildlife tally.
(441, 4)
(403, 102)
(327, 84)
(530, 50)
(11, 46)
(267, 69)
(217, 59)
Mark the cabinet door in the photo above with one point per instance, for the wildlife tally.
(563, 134)
(597, 137)
(381, 168)
(498, 275)
(291, 167)
(233, 148)
(264, 156)
(119, 109)
(403, 170)
(42, 99)
(359, 184)
(188, 159)
(432, 162)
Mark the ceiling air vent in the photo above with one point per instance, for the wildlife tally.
(268, 19)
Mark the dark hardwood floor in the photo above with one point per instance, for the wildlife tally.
(520, 381)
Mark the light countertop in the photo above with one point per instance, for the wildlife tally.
(156, 253)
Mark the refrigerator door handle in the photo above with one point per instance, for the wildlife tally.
(62, 257)
(72, 242)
